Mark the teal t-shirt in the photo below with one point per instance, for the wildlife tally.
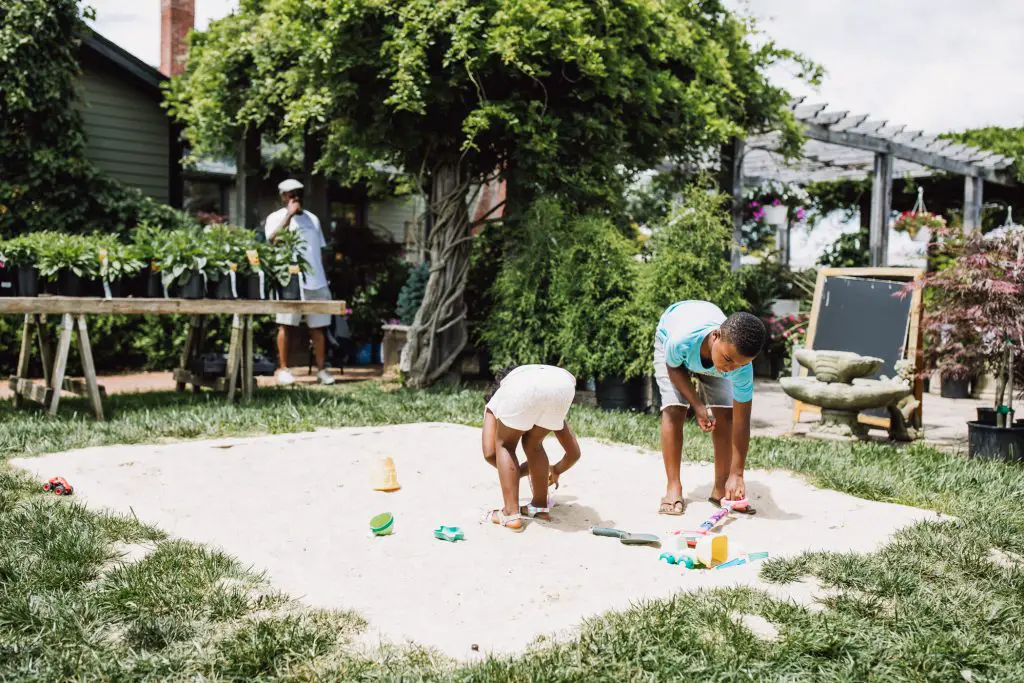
(681, 331)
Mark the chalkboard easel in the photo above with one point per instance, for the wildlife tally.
(855, 310)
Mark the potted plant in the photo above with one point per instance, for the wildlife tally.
(975, 323)
(226, 246)
(22, 255)
(8, 275)
(776, 203)
(70, 262)
(149, 243)
(912, 222)
(284, 261)
(118, 266)
(182, 266)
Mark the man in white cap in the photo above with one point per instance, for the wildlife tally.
(292, 217)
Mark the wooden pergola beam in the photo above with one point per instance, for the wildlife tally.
(859, 140)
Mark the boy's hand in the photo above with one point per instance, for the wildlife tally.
(705, 418)
(735, 489)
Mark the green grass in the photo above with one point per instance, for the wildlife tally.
(930, 605)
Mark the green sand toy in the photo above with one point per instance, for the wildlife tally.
(626, 537)
(382, 524)
(449, 533)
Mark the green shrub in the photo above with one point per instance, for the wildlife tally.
(411, 296)
(374, 304)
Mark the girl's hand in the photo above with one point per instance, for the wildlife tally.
(553, 476)
(705, 418)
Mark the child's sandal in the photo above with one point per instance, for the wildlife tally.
(510, 522)
(543, 514)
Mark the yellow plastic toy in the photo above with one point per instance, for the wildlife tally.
(712, 549)
(385, 478)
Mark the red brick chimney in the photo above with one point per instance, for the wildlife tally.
(177, 18)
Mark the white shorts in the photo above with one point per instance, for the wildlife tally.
(534, 396)
(312, 320)
(716, 392)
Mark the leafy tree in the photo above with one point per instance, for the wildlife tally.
(47, 181)
(850, 250)
(1006, 141)
(561, 97)
(411, 296)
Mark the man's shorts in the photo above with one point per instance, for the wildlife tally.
(312, 320)
(534, 396)
(716, 392)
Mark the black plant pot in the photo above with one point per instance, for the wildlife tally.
(192, 288)
(615, 393)
(70, 284)
(955, 388)
(117, 289)
(222, 288)
(926, 385)
(987, 442)
(987, 416)
(154, 284)
(28, 281)
(250, 287)
(8, 280)
(292, 291)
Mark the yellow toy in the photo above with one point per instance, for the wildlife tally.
(385, 478)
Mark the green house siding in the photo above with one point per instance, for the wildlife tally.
(127, 132)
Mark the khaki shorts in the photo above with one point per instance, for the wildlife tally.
(716, 392)
(312, 320)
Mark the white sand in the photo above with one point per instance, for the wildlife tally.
(298, 506)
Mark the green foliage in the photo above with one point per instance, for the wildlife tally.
(411, 296)
(374, 303)
(559, 93)
(47, 180)
(850, 250)
(117, 261)
(845, 195)
(592, 288)
(24, 250)
(691, 254)
(1006, 141)
(76, 253)
(523, 324)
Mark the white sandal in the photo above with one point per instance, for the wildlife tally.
(534, 512)
(501, 519)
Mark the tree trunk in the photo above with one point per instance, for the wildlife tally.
(438, 334)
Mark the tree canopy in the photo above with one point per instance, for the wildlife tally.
(559, 97)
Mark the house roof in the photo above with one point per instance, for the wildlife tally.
(119, 59)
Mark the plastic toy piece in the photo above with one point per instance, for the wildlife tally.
(449, 533)
(626, 537)
(382, 524)
(684, 559)
(59, 485)
(754, 557)
(385, 478)
(712, 549)
(732, 563)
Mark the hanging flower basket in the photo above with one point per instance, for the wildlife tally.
(912, 222)
(776, 214)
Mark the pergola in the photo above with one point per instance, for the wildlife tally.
(842, 145)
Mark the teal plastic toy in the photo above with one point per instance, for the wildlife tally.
(449, 533)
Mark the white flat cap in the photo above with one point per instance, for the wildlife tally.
(289, 185)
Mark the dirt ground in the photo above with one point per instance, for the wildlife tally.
(298, 506)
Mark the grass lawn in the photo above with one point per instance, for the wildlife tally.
(944, 601)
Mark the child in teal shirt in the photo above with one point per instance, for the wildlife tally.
(694, 340)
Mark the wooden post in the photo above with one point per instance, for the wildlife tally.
(881, 207)
(67, 326)
(234, 355)
(44, 348)
(26, 353)
(249, 172)
(731, 182)
(248, 363)
(85, 351)
(974, 189)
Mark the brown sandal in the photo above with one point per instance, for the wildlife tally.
(673, 508)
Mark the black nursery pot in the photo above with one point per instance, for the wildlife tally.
(250, 287)
(615, 393)
(70, 284)
(987, 416)
(192, 288)
(28, 281)
(292, 291)
(117, 289)
(8, 280)
(955, 388)
(154, 284)
(222, 288)
(988, 442)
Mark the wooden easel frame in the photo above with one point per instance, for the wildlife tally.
(914, 338)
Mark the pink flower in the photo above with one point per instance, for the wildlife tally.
(776, 202)
(800, 214)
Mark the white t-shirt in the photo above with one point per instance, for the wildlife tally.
(308, 226)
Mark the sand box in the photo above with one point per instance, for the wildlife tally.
(298, 506)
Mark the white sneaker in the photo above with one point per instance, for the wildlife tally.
(284, 378)
(325, 377)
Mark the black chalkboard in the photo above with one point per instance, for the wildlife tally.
(866, 316)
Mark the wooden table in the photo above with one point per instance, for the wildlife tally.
(73, 312)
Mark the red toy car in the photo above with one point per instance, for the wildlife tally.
(59, 485)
